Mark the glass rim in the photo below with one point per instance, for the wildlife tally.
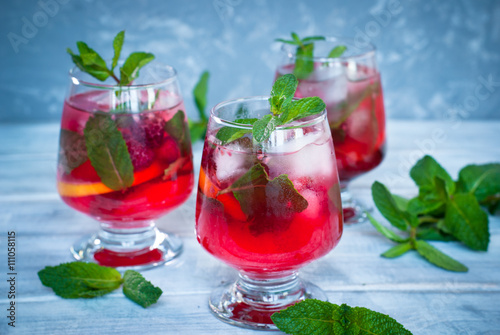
(370, 52)
(300, 123)
(75, 70)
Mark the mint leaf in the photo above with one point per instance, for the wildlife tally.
(72, 150)
(176, 128)
(401, 202)
(282, 93)
(313, 38)
(466, 221)
(108, 152)
(139, 290)
(424, 173)
(260, 196)
(130, 69)
(117, 47)
(430, 201)
(434, 234)
(385, 231)
(337, 51)
(481, 180)
(228, 134)
(313, 316)
(302, 108)
(397, 250)
(387, 206)
(80, 280)
(94, 70)
(197, 130)
(438, 258)
(304, 62)
(200, 94)
(263, 127)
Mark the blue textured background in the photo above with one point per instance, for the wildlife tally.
(436, 57)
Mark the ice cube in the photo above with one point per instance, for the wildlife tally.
(234, 159)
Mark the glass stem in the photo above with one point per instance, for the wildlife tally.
(127, 240)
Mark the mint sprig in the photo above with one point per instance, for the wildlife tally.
(304, 55)
(313, 316)
(198, 128)
(89, 280)
(283, 111)
(91, 62)
(444, 210)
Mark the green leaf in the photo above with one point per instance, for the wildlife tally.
(263, 127)
(177, 128)
(313, 38)
(72, 150)
(228, 134)
(430, 201)
(296, 38)
(401, 202)
(385, 231)
(117, 47)
(108, 152)
(80, 280)
(304, 61)
(130, 69)
(258, 195)
(282, 93)
(466, 221)
(438, 258)
(424, 173)
(434, 234)
(95, 71)
(200, 94)
(387, 206)
(139, 290)
(302, 108)
(90, 57)
(337, 51)
(481, 180)
(397, 250)
(197, 130)
(287, 41)
(319, 317)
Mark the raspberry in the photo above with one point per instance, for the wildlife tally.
(169, 151)
(141, 156)
(154, 131)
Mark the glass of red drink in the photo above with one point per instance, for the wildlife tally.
(266, 209)
(351, 88)
(125, 160)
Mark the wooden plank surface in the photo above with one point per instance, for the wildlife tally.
(427, 300)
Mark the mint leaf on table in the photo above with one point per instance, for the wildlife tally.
(438, 258)
(337, 51)
(72, 150)
(80, 280)
(386, 231)
(397, 250)
(313, 316)
(108, 152)
(197, 129)
(466, 221)
(481, 180)
(130, 69)
(387, 206)
(117, 47)
(139, 290)
(257, 194)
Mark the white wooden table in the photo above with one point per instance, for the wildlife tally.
(426, 299)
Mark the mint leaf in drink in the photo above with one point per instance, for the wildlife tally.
(391, 235)
(176, 128)
(337, 51)
(466, 221)
(80, 280)
(312, 39)
(228, 134)
(302, 108)
(481, 180)
(108, 152)
(95, 71)
(130, 69)
(117, 47)
(72, 150)
(389, 209)
(139, 290)
(282, 93)
(398, 250)
(438, 258)
(313, 316)
(262, 128)
(304, 62)
(260, 196)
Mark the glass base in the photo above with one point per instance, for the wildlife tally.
(250, 302)
(354, 211)
(128, 250)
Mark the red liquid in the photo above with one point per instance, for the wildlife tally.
(355, 112)
(267, 242)
(152, 151)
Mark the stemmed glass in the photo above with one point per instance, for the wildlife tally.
(351, 88)
(125, 160)
(266, 209)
